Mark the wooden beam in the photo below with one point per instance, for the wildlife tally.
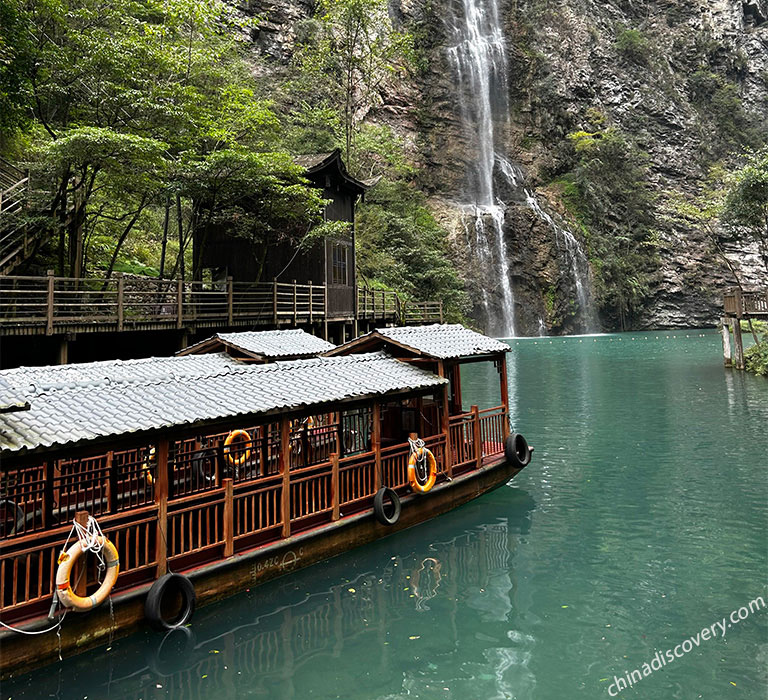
(445, 420)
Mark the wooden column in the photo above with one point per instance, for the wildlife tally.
(325, 311)
(445, 420)
(112, 486)
(310, 303)
(477, 436)
(284, 461)
(335, 491)
(161, 500)
(504, 381)
(229, 517)
(376, 444)
(49, 304)
(738, 344)
(726, 333)
(120, 300)
(230, 300)
(274, 301)
(48, 468)
(179, 303)
(295, 310)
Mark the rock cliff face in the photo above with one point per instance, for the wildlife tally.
(680, 78)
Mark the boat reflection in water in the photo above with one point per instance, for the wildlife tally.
(397, 627)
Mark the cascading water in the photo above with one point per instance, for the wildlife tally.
(478, 55)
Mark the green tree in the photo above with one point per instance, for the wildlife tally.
(346, 56)
(746, 202)
(15, 64)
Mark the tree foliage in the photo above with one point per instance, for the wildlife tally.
(608, 193)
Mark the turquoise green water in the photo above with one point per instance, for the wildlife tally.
(641, 520)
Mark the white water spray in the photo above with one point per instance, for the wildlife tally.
(479, 61)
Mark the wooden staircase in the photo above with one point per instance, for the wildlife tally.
(15, 238)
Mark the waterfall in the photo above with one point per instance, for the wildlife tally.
(477, 54)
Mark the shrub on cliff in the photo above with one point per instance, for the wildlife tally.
(608, 193)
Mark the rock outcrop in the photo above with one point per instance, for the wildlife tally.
(636, 65)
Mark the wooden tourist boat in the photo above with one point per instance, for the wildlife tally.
(226, 473)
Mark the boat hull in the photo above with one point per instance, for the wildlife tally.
(81, 631)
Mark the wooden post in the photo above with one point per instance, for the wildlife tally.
(738, 343)
(310, 302)
(441, 310)
(230, 300)
(294, 303)
(357, 309)
(477, 437)
(80, 574)
(120, 300)
(325, 311)
(726, 333)
(48, 493)
(161, 500)
(739, 302)
(274, 301)
(335, 490)
(112, 486)
(376, 444)
(229, 518)
(49, 304)
(445, 421)
(504, 395)
(285, 469)
(179, 303)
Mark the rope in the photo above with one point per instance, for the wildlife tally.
(32, 633)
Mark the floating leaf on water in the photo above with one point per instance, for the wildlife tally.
(417, 636)
(732, 683)
(563, 606)
(352, 590)
(214, 651)
(205, 675)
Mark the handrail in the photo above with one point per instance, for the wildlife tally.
(57, 304)
(740, 303)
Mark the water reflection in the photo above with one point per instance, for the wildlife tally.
(400, 623)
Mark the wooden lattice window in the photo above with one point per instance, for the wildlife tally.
(340, 263)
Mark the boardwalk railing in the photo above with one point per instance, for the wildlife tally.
(180, 501)
(749, 303)
(54, 304)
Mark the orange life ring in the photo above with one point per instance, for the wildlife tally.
(67, 560)
(237, 460)
(413, 480)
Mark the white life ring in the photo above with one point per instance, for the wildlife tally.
(67, 560)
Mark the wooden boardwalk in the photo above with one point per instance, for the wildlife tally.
(740, 304)
(52, 305)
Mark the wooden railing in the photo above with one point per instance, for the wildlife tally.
(54, 304)
(423, 312)
(748, 303)
(377, 303)
(205, 519)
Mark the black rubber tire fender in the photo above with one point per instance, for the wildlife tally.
(385, 515)
(167, 585)
(199, 461)
(16, 516)
(516, 451)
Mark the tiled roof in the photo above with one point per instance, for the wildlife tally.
(444, 341)
(62, 416)
(441, 341)
(269, 344)
(10, 398)
(29, 381)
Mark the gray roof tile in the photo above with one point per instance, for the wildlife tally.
(60, 416)
(29, 381)
(270, 344)
(441, 341)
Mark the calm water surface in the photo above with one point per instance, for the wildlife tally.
(641, 520)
